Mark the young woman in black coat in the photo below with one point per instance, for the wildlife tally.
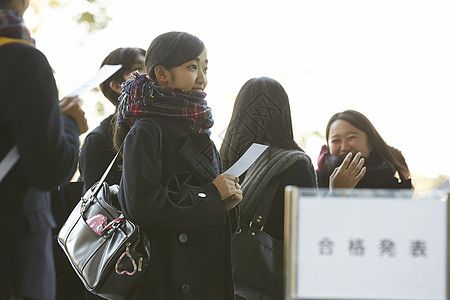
(356, 156)
(171, 184)
(98, 149)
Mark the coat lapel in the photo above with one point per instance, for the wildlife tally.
(198, 158)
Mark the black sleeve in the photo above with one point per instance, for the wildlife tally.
(300, 174)
(234, 215)
(144, 198)
(47, 141)
(94, 160)
(323, 180)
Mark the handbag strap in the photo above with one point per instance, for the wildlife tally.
(102, 180)
(265, 203)
(100, 184)
(8, 162)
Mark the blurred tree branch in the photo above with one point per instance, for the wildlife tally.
(90, 13)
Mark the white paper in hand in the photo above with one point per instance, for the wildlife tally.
(246, 160)
(103, 73)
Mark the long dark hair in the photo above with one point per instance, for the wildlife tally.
(170, 49)
(261, 114)
(387, 153)
(127, 58)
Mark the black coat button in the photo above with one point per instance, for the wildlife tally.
(185, 289)
(183, 238)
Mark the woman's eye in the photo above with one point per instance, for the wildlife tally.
(205, 70)
(193, 67)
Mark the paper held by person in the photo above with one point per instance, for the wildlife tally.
(246, 160)
(103, 73)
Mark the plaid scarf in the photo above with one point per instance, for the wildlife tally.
(141, 96)
(12, 26)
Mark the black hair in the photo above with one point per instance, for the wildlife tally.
(172, 49)
(127, 58)
(261, 114)
(4, 2)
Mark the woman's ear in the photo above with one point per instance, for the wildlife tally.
(162, 75)
(116, 86)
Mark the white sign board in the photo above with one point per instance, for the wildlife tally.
(371, 248)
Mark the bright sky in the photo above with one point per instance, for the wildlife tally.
(387, 59)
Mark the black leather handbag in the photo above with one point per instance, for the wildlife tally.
(257, 257)
(108, 252)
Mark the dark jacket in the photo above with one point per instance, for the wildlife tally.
(96, 154)
(48, 146)
(181, 211)
(379, 173)
(300, 174)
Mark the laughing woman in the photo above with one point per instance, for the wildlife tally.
(356, 156)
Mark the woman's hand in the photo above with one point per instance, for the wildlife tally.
(71, 106)
(349, 173)
(229, 190)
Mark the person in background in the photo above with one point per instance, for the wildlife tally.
(46, 134)
(356, 156)
(98, 150)
(177, 193)
(261, 114)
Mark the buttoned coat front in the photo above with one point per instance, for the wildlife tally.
(169, 192)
